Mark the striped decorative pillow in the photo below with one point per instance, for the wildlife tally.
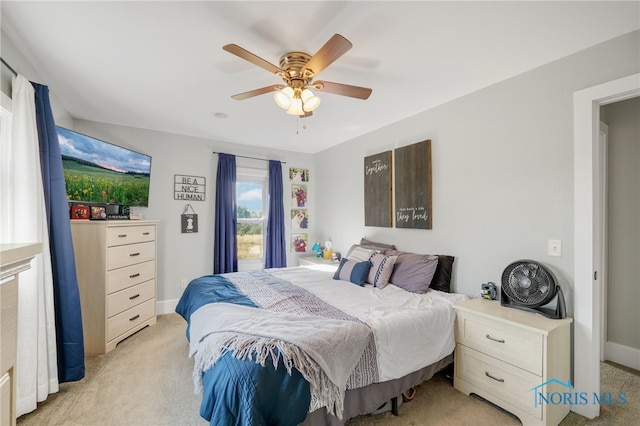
(352, 271)
(381, 269)
(360, 254)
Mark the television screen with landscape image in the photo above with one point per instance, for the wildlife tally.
(96, 171)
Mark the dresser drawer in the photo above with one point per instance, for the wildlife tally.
(500, 379)
(514, 345)
(119, 279)
(130, 297)
(121, 256)
(130, 318)
(121, 235)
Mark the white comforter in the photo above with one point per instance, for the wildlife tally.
(411, 330)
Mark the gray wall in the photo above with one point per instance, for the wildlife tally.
(502, 174)
(190, 255)
(502, 170)
(623, 222)
(179, 255)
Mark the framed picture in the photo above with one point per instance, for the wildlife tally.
(299, 219)
(298, 175)
(80, 212)
(413, 186)
(299, 195)
(299, 243)
(98, 212)
(377, 190)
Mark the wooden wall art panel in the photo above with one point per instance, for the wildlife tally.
(377, 190)
(413, 186)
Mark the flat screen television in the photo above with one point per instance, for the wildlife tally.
(96, 171)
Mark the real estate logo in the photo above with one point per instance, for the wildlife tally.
(572, 397)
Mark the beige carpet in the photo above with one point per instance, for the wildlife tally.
(147, 380)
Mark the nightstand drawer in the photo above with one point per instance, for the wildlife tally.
(130, 318)
(511, 344)
(121, 235)
(130, 254)
(130, 297)
(119, 279)
(506, 382)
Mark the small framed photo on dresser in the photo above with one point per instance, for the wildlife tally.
(80, 212)
(99, 212)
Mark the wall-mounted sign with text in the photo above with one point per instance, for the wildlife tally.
(189, 188)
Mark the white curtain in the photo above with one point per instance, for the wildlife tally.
(24, 221)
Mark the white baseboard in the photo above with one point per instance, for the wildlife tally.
(622, 354)
(166, 306)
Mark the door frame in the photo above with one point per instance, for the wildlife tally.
(587, 289)
(602, 230)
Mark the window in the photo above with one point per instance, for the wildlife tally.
(251, 199)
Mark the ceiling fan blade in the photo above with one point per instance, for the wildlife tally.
(256, 92)
(254, 59)
(342, 89)
(332, 50)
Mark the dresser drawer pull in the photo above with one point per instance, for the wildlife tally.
(135, 254)
(134, 275)
(494, 339)
(122, 235)
(146, 233)
(133, 297)
(138, 316)
(486, 373)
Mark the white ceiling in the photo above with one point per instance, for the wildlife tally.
(160, 65)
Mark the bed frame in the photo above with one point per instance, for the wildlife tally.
(367, 399)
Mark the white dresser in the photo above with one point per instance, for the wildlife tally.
(116, 267)
(14, 258)
(504, 354)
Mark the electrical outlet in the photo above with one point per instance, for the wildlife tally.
(183, 283)
(554, 248)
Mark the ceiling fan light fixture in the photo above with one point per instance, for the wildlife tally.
(309, 100)
(284, 97)
(296, 107)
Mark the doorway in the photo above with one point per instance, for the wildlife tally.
(587, 236)
(620, 272)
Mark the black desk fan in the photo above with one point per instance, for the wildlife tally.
(528, 285)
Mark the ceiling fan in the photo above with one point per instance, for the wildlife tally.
(297, 70)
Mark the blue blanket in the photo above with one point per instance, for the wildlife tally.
(238, 392)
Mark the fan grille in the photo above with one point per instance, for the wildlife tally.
(528, 283)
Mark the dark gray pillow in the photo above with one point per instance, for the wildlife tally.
(442, 278)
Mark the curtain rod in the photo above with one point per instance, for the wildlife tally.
(252, 158)
(8, 66)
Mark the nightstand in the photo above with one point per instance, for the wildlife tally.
(505, 355)
(318, 263)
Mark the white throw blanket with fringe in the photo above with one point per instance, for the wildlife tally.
(324, 350)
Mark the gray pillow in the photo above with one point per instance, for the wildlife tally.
(376, 245)
(413, 272)
(360, 253)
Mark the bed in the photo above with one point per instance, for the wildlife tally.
(303, 345)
